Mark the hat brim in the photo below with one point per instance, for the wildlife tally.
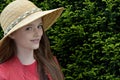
(48, 18)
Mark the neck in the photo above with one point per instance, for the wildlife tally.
(25, 56)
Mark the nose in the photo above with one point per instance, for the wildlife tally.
(37, 32)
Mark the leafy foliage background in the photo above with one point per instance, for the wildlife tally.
(86, 38)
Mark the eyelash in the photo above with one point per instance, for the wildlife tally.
(40, 26)
(30, 28)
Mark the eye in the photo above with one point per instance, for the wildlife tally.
(40, 26)
(28, 28)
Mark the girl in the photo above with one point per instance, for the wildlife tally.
(25, 50)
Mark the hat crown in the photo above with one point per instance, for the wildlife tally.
(13, 11)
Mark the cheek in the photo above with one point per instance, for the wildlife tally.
(22, 41)
(41, 32)
(19, 38)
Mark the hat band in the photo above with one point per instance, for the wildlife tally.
(20, 18)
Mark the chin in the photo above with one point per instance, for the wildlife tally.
(35, 47)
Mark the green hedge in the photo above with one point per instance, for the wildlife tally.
(86, 38)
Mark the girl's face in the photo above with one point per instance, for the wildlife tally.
(29, 36)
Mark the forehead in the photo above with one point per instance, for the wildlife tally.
(35, 23)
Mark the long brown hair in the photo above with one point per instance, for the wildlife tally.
(44, 57)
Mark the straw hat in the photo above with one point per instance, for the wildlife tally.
(22, 12)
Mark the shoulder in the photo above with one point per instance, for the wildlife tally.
(7, 65)
(4, 65)
(5, 68)
(3, 71)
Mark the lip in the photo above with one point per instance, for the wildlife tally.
(36, 41)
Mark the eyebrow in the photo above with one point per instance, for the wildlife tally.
(33, 24)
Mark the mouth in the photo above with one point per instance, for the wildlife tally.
(36, 41)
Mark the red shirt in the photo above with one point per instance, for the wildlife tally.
(14, 70)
